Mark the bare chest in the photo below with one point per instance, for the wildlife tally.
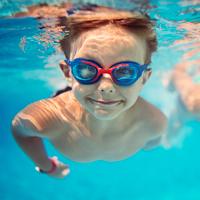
(110, 146)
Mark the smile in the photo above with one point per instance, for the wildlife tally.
(105, 102)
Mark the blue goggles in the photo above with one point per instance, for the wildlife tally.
(87, 71)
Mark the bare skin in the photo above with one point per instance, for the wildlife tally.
(85, 130)
(188, 90)
(85, 143)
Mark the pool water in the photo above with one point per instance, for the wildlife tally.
(29, 72)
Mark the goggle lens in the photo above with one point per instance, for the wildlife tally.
(84, 72)
(125, 75)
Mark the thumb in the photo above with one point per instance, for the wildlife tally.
(65, 170)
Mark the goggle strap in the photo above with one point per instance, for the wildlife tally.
(67, 61)
(143, 67)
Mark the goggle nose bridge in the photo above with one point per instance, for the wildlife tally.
(104, 71)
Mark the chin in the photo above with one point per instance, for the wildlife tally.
(104, 112)
(104, 116)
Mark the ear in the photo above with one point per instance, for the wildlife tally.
(146, 75)
(65, 68)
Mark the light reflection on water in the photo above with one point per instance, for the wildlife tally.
(29, 54)
(178, 31)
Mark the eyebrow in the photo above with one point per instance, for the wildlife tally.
(89, 57)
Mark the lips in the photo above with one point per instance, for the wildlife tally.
(106, 102)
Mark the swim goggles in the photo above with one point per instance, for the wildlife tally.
(87, 71)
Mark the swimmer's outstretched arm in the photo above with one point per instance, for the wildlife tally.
(32, 144)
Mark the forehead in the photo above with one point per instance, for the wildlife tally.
(109, 45)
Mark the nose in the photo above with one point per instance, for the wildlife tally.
(106, 85)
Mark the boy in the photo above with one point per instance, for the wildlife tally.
(102, 117)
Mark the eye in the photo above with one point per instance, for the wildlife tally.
(125, 72)
(85, 71)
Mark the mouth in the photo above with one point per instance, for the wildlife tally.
(102, 102)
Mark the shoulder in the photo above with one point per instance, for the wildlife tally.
(43, 118)
(155, 120)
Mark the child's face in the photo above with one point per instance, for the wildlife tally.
(107, 48)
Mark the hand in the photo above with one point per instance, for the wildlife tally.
(61, 171)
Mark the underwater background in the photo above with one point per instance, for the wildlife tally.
(29, 72)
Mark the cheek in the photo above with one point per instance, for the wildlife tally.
(131, 93)
(81, 91)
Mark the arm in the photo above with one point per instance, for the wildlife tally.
(188, 90)
(37, 121)
(31, 143)
(159, 127)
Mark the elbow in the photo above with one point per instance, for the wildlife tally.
(24, 128)
(15, 127)
(18, 129)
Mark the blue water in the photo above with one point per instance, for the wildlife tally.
(31, 72)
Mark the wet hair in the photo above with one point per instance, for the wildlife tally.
(81, 21)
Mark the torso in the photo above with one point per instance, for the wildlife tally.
(85, 146)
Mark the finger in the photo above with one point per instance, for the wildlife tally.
(65, 172)
(63, 167)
